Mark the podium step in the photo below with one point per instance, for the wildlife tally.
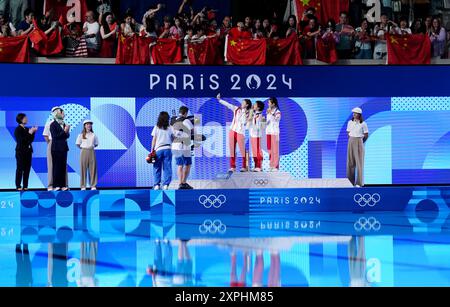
(275, 180)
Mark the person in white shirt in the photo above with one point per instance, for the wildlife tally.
(91, 29)
(401, 29)
(241, 117)
(181, 146)
(273, 134)
(161, 143)
(48, 139)
(87, 141)
(256, 126)
(358, 133)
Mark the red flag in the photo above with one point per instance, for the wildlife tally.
(284, 51)
(247, 51)
(331, 9)
(46, 45)
(166, 51)
(205, 53)
(70, 10)
(326, 50)
(325, 9)
(126, 50)
(142, 50)
(14, 49)
(408, 49)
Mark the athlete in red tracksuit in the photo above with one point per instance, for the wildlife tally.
(256, 126)
(273, 134)
(237, 131)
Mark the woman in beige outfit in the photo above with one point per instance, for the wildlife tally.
(87, 141)
(358, 133)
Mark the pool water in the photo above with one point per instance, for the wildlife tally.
(327, 249)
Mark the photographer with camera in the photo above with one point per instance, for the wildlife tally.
(181, 147)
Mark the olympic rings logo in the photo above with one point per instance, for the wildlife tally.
(261, 182)
(367, 199)
(367, 224)
(212, 227)
(212, 201)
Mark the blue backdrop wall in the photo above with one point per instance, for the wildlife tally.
(407, 117)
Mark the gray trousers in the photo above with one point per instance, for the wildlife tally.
(88, 162)
(355, 161)
(50, 167)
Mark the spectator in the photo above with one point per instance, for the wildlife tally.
(129, 25)
(176, 31)
(188, 39)
(427, 23)
(17, 10)
(291, 25)
(26, 25)
(109, 32)
(266, 27)
(330, 32)
(363, 44)
(199, 36)
(240, 32)
(403, 29)
(212, 29)
(148, 28)
(6, 28)
(274, 31)
(248, 23)
(380, 31)
(75, 42)
(225, 27)
(346, 33)
(438, 36)
(309, 14)
(165, 31)
(91, 30)
(258, 31)
(310, 34)
(47, 24)
(418, 27)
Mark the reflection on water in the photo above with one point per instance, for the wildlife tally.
(264, 252)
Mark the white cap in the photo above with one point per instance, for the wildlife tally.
(88, 121)
(357, 110)
(56, 108)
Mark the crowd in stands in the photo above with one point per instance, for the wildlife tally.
(99, 34)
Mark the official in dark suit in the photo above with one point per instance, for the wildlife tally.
(24, 150)
(60, 133)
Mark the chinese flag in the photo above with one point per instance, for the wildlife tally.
(326, 50)
(67, 10)
(166, 51)
(14, 49)
(285, 51)
(331, 9)
(126, 50)
(409, 49)
(142, 50)
(46, 45)
(205, 53)
(325, 9)
(247, 51)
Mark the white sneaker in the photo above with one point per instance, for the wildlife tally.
(49, 189)
(156, 187)
(83, 189)
(232, 170)
(65, 189)
(93, 188)
(258, 170)
(357, 186)
(166, 187)
(56, 189)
